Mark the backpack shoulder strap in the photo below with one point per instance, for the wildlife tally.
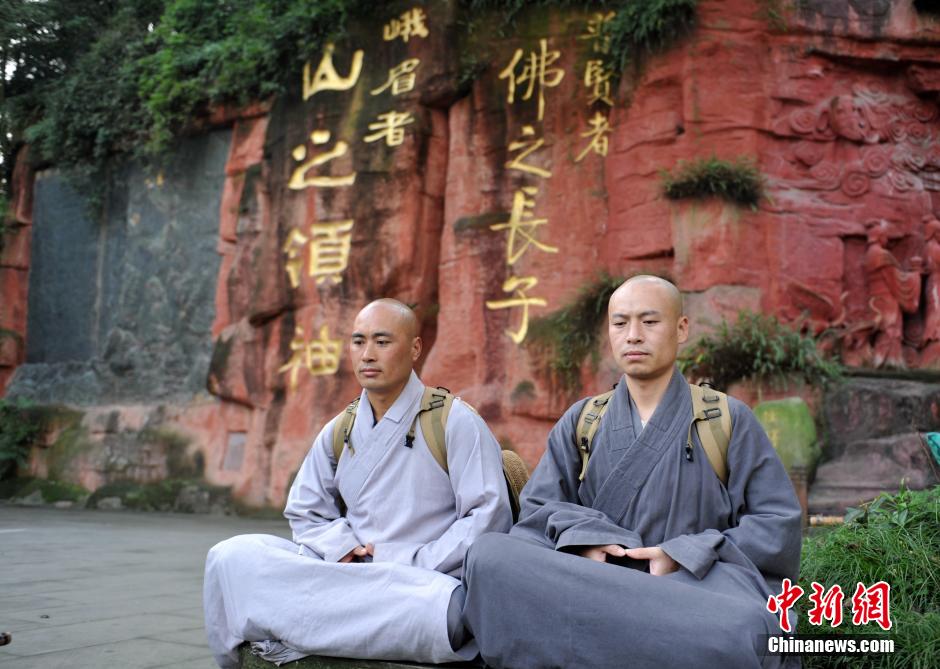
(435, 408)
(711, 407)
(588, 422)
(342, 430)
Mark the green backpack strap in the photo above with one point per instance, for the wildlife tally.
(342, 430)
(711, 408)
(588, 422)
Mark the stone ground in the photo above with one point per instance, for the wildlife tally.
(98, 589)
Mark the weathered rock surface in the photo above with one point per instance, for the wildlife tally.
(318, 209)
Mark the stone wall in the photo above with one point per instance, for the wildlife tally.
(399, 166)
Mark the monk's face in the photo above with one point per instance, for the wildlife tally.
(383, 349)
(646, 327)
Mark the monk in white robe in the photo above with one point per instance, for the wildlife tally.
(650, 561)
(380, 579)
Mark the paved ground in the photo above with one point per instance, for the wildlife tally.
(100, 589)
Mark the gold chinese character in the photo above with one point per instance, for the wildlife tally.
(518, 285)
(408, 25)
(535, 70)
(329, 250)
(401, 78)
(299, 181)
(292, 247)
(522, 224)
(598, 33)
(326, 78)
(600, 128)
(319, 357)
(530, 145)
(391, 127)
(597, 77)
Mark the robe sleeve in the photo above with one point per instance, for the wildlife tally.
(552, 512)
(766, 517)
(475, 468)
(313, 504)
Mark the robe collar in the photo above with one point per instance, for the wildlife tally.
(409, 395)
(622, 416)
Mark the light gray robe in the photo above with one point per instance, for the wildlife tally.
(531, 603)
(298, 600)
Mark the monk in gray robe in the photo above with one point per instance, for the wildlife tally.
(379, 538)
(650, 561)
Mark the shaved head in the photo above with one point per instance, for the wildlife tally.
(406, 318)
(670, 292)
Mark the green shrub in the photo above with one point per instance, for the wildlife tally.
(565, 338)
(737, 181)
(895, 539)
(756, 347)
(20, 426)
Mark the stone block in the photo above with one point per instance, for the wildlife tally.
(860, 409)
(868, 468)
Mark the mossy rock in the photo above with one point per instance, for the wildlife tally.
(247, 660)
(789, 424)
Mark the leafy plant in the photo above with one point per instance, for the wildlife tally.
(564, 338)
(896, 539)
(737, 181)
(756, 347)
(647, 26)
(19, 428)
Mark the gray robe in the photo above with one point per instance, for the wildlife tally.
(294, 598)
(531, 603)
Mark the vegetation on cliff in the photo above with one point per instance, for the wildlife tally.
(738, 181)
(756, 347)
(87, 79)
(564, 339)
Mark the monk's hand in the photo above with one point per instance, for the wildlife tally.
(370, 550)
(600, 553)
(355, 554)
(660, 563)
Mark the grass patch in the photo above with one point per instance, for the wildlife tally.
(738, 181)
(756, 347)
(896, 539)
(563, 339)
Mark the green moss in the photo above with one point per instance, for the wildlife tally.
(524, 390)
(179, 463)
(72, 442)
(895, 539)
(564, 339)
(158, 496)
(52, 491)
(756, 347)
(738, 181)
